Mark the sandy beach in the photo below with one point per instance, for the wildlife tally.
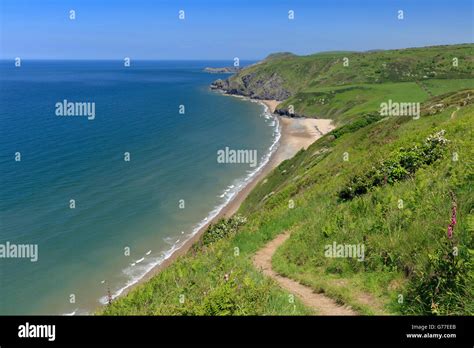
(296, 134)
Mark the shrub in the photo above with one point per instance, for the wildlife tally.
(404, 163)
(361, 122)
(222, 229)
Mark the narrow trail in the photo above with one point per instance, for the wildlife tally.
(323, 305)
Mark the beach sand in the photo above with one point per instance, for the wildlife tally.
(296, 133)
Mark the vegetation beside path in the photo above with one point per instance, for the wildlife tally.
(414, 217)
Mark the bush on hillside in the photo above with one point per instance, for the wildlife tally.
(404, 163)
(222, 229)
(361, 122)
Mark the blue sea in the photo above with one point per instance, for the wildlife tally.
(126, 216)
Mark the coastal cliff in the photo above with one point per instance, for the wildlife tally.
(249, 85)
(256, 81)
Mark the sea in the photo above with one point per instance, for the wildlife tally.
(105, 196)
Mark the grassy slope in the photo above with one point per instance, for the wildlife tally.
(398, 242)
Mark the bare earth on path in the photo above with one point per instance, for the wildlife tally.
(323, 305)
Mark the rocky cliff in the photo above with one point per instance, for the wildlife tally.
(250, 84)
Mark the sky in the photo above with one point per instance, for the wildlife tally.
(224, 29)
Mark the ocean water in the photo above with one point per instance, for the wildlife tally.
(82, 252)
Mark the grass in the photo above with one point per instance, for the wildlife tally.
(438, 87)
(398, 242)
(344, 104)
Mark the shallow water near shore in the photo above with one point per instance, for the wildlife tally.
(82, 252)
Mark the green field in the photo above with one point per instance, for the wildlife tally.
(402, 191)
(346, 103)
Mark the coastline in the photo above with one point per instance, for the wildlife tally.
(295, 134)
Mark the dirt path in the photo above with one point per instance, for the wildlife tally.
(321, 304)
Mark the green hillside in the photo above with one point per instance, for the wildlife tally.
(401, 243)
(391, 184)
(322, 86)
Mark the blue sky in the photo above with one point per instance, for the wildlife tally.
(147, 29)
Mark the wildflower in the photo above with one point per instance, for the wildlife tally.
(450, 231)
(453, 218)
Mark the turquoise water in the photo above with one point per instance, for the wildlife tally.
(119, 204)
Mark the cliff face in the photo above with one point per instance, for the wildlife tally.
(255, 85)
(263, 80)
(249, 84)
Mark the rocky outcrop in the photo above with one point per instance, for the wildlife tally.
(286, 112)
(253, 85)
(220, 84)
